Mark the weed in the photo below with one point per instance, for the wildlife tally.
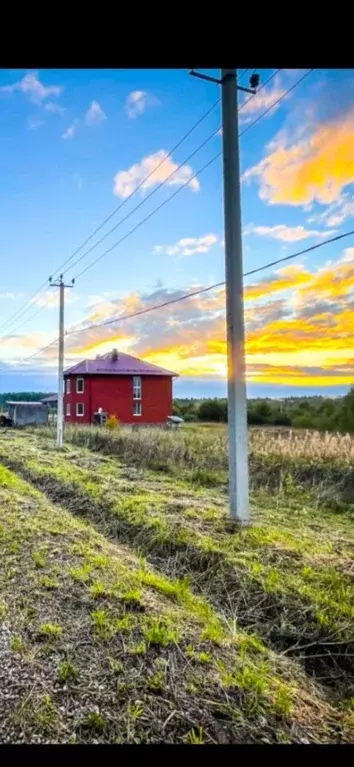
(213, 633)
(98, 590)
(81, 574)
(16, 644)
(116, 665)
(135, 710)
(67, 671)
(52, 630)
(94, 721)
(39, 558)
(156, 682)
(47, 713)
(102, 623)
(48, 583)
(158, 633)
(196, 737)
(3, 610)
(137, 649)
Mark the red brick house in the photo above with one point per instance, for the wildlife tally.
(124, 386)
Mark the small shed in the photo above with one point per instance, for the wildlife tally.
(51, 400)
(27, 413)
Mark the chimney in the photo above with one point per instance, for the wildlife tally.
(114, 355)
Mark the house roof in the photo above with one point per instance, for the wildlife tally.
(49, 399)
(28, 404)
(122, 364)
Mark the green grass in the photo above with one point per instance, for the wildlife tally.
(126, 660)
(288, 576)
(198, 453)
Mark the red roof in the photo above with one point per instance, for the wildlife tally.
(122, 364)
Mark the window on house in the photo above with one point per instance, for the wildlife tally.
(68, 386)
(137, 387)
(137, 408)
(79, 408)
(67, 408)
(79, 386)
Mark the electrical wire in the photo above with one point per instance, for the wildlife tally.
(108, 218)
(198, 292)
(177, 191)
(17, 315)
(157, 188)
(23, 310)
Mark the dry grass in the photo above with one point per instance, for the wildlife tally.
(95, 646)
(278, 458)
(290, 575)
(283, 586)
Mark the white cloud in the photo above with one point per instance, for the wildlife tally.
(337, 213)
(70, 131)
(9, 295)
(262, 100)
(50, 299)
(34, 122)
(137, 102)
(189, 246)
(50, 106)
(95, 114)
(285, 233)
(31, 86)
(78, 180)
(157, 167)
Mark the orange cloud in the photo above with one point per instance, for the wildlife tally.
(287, 278)
(304, 336)
(317, 168)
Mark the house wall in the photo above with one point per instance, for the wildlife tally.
(114, 394)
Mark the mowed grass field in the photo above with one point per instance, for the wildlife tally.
(133, 610)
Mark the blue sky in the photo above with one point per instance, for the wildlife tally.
(66, 138)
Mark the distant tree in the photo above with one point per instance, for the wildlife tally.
(263, 410)
(210, 410)
(345, 418)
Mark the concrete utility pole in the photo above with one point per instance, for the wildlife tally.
(60, 414)
(236, 383)
(236, 379)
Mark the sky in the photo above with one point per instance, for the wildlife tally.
(74, 147)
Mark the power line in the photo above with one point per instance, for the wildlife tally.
(177, 191)
(140, 204)
(23, 310)
(102, 255)
(195, 292)
(278, 100)
(142, 182)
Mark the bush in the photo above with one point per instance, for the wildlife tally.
(281, 419)
(211, 410)
(112, 422)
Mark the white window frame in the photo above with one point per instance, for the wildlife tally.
(68, 387)
(67, 410)
(80, 391)
(80, 404)
(136, 388)
(137, 405)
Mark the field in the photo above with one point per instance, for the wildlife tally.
(133, 610)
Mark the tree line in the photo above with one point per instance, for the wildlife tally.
(322, 413)
(21, 396)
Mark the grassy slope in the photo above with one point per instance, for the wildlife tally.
(95, 646)
(288, 577)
